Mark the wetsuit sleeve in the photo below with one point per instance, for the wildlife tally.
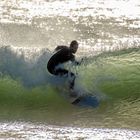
(60, 47)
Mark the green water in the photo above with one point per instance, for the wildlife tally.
(113, 77)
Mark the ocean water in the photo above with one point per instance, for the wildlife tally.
(33, 103)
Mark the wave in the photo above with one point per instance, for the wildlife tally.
(29, 92)
(17, 65)
(109, 73)
(117, 73)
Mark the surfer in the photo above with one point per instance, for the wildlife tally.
(64, 54)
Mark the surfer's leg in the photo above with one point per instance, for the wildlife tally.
(61, 72)
(71, 80)
(70, 75)
(71, 85)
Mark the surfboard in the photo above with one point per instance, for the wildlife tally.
(82, 100)
(85, 101)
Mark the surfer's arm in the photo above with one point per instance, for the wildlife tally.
(75, 62)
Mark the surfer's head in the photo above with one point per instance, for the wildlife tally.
(74, 46)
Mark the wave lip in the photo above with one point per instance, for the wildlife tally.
(29, 68)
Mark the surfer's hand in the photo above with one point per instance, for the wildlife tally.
(74, 62)
(83, 60)
(79, 62)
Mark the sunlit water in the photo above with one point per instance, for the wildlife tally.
(26, 130)
(29, 32)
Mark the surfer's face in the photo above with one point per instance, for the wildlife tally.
(74, 46)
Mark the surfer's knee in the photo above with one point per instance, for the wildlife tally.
(72, 75)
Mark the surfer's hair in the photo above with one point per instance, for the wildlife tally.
(73, 43)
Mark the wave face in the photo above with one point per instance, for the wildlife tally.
(113, 77)
(108, 33)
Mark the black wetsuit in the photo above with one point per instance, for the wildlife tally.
(63, 55)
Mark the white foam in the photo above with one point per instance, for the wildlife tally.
(30, 131)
